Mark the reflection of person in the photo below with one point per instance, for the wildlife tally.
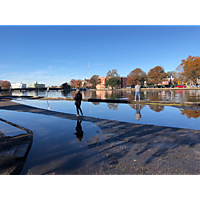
(78, 98)
(137, 115)
(137, 91)
(79, 131)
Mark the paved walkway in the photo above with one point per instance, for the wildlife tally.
(129, 148)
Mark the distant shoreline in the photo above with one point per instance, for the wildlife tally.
(189, 88)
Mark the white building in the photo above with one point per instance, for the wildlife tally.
(18, 85)
(36, 85)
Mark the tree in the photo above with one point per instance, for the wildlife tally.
(113, 73)
(156, 75)
(65, 86)
(95, 80)
(78, 83)
(114, 81)
(137, 75)
(5, 84)
(72, 83)
(191, 68)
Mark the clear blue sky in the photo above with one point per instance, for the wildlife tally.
(56, 54)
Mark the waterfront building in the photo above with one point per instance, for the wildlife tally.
(168, 81)
(123, 82)
(18, 85)
(36, 85)
(86, 83)
(101, 85)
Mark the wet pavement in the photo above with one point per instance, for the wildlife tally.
(66, 144)
(160, 115)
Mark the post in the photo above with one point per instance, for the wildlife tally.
(47, 91)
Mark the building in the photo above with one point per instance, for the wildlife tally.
(18, 85)
(86, 83)
(168, 81)
(36, 85)
(123, 82)
(101, 85)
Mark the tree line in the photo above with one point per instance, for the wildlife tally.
(187, 71)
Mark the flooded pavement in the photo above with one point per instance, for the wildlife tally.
(141, 114)
(66, 144)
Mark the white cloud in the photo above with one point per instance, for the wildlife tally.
(3, 75)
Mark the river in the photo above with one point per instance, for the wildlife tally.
(146, 95)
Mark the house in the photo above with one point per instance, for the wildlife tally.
(36, 85)
(86, 83)
(18, 85)
(101, 85)
(168, 81)
(123, 82)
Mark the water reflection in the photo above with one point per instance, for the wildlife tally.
(79, 131)
(137, 114)
(146, 95)
(156, 108)
(112, 106)
(190, 113)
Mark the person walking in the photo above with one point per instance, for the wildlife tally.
(137, 91)
(78, 98)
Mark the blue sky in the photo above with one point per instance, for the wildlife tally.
(56, 54)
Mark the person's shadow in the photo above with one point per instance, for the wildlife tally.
(79, 131)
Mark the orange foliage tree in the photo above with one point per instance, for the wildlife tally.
(156, 75)
(137, 75)
(78, 83)
(191, 68)
(72, 83)
(95, 80)
(5, 84)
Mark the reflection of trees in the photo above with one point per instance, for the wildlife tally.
(113, 95)
(156, 108)
(112, 106)
(96, 103)
(153, 96)
(190, 113)
(65, 92)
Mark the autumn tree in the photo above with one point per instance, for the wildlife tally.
(111, 74)
(78, 83)
(156, 108)
(190, 113)
(191, 68)
(5, 84)
(72, 83)
(156, 75)
(95, 80)
(135, 76)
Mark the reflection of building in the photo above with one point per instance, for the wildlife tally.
(18, 85)
(36, 85)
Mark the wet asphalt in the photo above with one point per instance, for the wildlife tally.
(124, 148)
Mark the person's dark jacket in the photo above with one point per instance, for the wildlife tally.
(78, 98)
